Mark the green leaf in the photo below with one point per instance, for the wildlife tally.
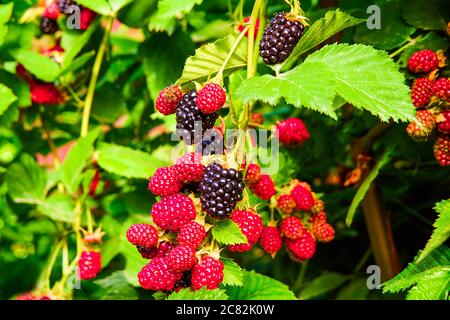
(355, 290)
(26, 180)
(310, 85)
(109, 103)
(259, 287)
(430, 41)
(364, 187)
(202, 294)
(78, 63)
(76, 160)
(381, 91)
(6, 11)
(127, 162)
(227, 232)
(442, 229)
(321, 30)
(393, 32)
(428, 274)
(164, 19)
(431, 287)
(19, 87)
(73, 43)
(42, 67)
(322, 284)
(58, 207)
(117, 287)
(116, 5)
(232, 273)
(208, 60)
(99, 6)
(3, 32)
(428, 15)
(7, 97)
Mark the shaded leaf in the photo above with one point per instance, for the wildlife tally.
(202, 294)
(322, 284)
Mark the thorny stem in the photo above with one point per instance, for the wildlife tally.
(95, 73)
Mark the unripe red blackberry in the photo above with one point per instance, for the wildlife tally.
(441, 89)
(165, 181)
(173, 211)
(156, 275)
(280, 38)
(423, 61)
(220, 190)
(256, 118)
(190, 167)
(271, 240)
(303, 248)
(192, 234)
(181, 258)
(303, 198)
(251, 226)
(211, 98)
(441, 150)
(142, 234)
(189, 117)
(87, 16)
(48, 26)
(318, 207)
(264, 188)
(323, 232)
(443, 122)
(242, 26)
(253, 173)
(418, 133)
(52, 11)
(89, 265)
(292, 132)
(168, 100)
(286, 203)
(207, 273)
(45, 93)
(292, 227)
(421, 92)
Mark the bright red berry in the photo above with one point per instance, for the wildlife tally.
(292, 227)
(211, 98)
(142, 234)
(208, 272)
(52, 11)
(168, 100)
(253, 174)
(292, 132)
(323, 232)
(45, 93)
(190, 167)
(241, 27)
(318, 207)
(443, 122)
(303, 198)
(173, 211)
(271, 240)
(165, 181)
(303, 248)
(321, 217)
(156, 275)
(442, 150)
(251, 226)
(441, 88)
(264, 188)
(87, 16)
(421, 92)
(286, 203)
(181, 258)
(89, 264)
(192, 233)
(424, 132)
(423, 61)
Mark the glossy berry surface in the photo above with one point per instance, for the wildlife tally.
(207, 273)
(173, 211)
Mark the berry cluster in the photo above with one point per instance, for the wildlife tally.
(430, 94)
(49, 24)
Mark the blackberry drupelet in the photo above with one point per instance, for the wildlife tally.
(64, 5)
(212, 143)
(187, 114)
(220, 190)
(280, 38)
(48, 26)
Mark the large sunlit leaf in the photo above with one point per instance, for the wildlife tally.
(227, 232)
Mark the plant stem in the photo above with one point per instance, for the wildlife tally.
(95, 73)
(402, 48)
(50, 264)
(301, 275)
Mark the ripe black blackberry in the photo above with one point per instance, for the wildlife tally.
(280, 38)
(184, 282)
(187, 114)
(220, 190)
(64, 5)
(48, 26)
(212, 143)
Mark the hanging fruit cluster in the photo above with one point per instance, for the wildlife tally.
(430, 94)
